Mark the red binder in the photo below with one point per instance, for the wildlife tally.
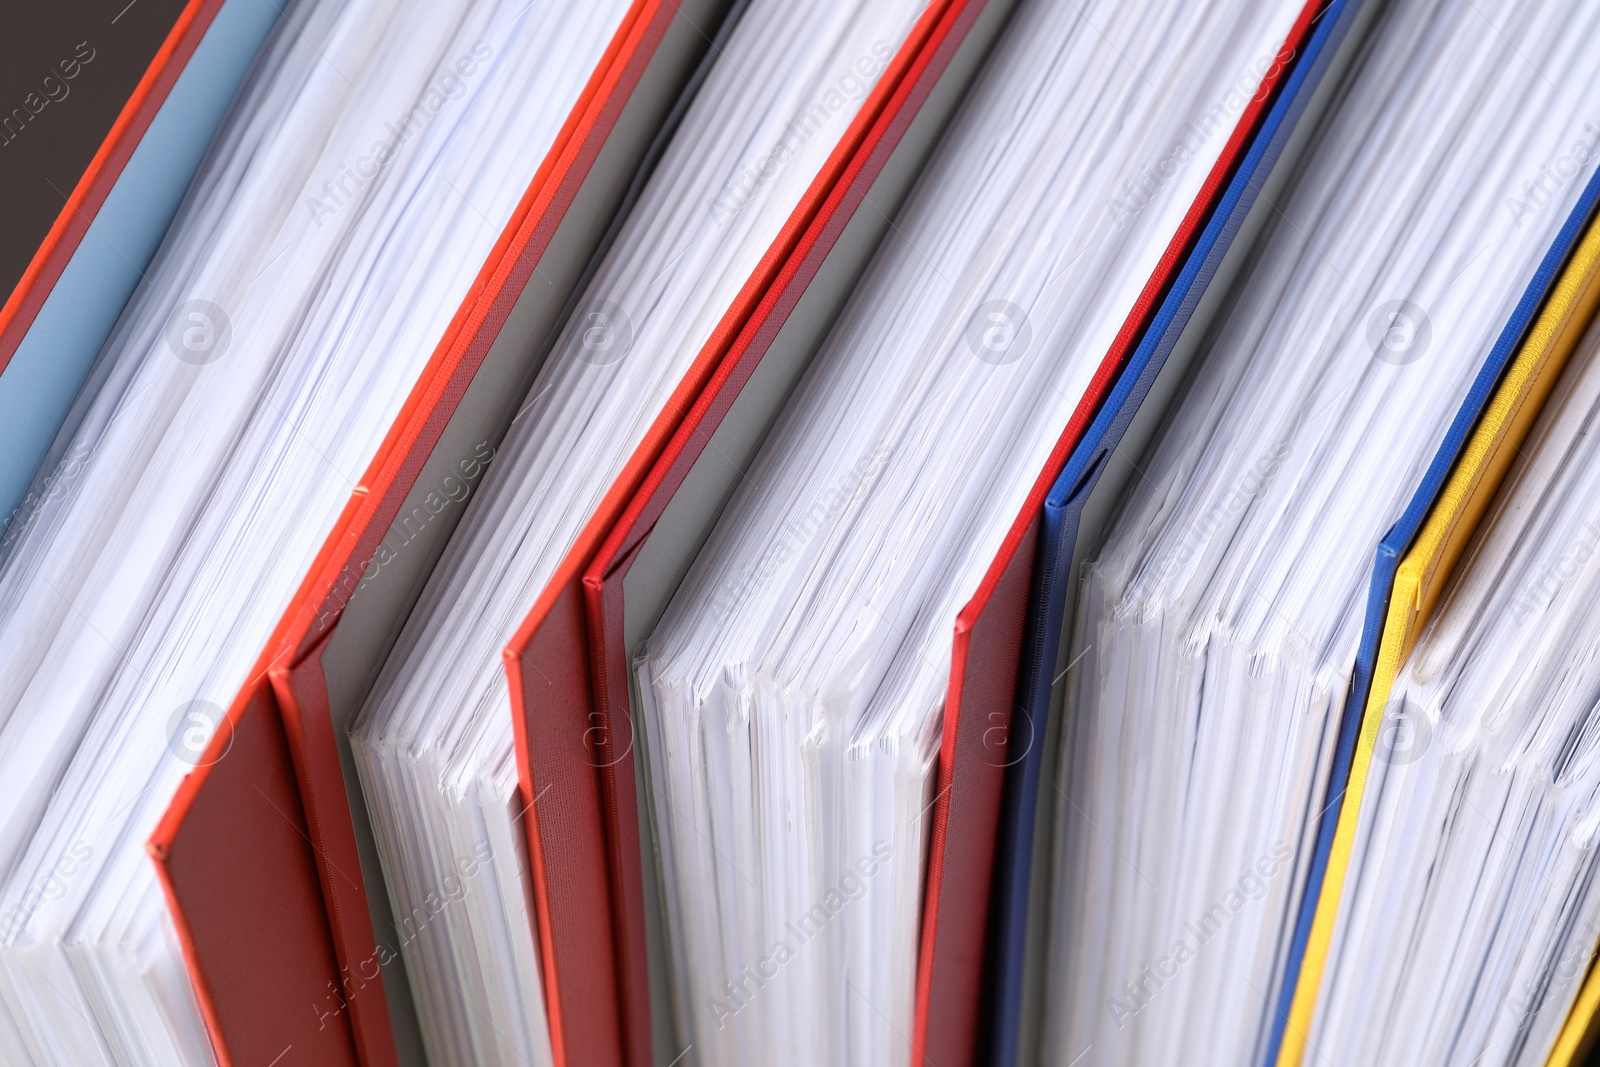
(570, 662)
(259, 857)
(566, 664)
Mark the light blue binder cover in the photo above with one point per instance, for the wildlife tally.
(53, 360)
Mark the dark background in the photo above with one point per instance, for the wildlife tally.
(40, 167)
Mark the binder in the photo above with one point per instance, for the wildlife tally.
(563, 665)
(1414, 563)
(575, 649)
(61, 312)
(272, 883)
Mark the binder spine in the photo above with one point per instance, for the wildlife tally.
(568, 842)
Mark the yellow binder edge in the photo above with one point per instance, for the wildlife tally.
(1420, 580)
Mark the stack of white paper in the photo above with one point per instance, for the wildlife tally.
(364, 175)
(1216, 633)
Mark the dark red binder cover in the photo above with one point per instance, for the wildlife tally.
(257, 853)
(988, 633)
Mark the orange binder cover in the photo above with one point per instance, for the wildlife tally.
(581, 646)
(276, 895)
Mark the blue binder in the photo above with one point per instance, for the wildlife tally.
(1089, 487)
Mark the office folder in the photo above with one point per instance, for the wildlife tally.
(66, 301)
(1414, 562)
(584, 646)
(268, 830)
(564, 662)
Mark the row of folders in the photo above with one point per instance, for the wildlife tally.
(612, 533)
